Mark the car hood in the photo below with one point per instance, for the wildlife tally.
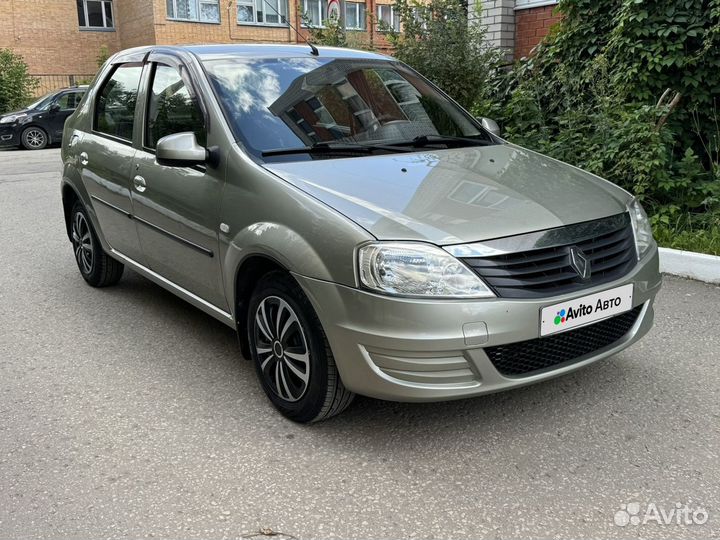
(456, 195)
(21, 111)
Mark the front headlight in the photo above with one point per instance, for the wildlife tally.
(413, 269)
(641, 228)
(12, 118)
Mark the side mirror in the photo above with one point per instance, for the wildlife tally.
(490, 125)
(54, 108)
(180, 150)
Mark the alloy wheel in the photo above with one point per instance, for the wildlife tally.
(35, 138)
(82, 243)
(282, 349)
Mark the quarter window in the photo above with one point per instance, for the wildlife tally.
(387, 18)
(95, 14)
(115, 109)
(172, 108)
(314, 12)
(194, 10)
(355, 15)
(262, 12)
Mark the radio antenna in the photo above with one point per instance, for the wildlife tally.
(313, 48)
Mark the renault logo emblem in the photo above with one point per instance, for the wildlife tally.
(579, 262)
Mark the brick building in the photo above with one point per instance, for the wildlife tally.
(517, 25)
(62, 39)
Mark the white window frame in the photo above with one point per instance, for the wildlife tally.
(198, 10)
(394, 18)
(322, 13)
(527, 4)
(260, 5)
(105, 26)
(360, 21)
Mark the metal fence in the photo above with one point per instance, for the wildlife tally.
(48, 83)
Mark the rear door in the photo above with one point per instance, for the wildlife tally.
(107, 156)
(177, 207)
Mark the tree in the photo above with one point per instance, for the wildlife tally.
(442, 42)
(16, 84)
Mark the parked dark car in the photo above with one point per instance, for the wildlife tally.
(40, 123)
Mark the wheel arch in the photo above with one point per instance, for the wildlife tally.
(69, 198)
(251, 269)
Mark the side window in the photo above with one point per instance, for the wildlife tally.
(171, 108)
(115, 108)
(69, 101)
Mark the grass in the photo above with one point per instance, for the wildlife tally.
(699, 240)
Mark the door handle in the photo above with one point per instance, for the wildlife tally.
(139, 183)
(84, 159)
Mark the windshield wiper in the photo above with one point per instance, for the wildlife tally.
(427, 140)
(340, 148)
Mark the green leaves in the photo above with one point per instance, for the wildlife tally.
(589, 97)
(441, 43)
(16, 84)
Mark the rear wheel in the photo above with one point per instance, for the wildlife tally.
(34, 138)
(96, 266)
(291, 353)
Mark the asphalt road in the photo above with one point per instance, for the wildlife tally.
(125, 412)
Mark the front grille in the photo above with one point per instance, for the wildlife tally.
(526, 357)
(545, 271)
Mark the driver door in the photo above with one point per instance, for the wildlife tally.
(177, 207)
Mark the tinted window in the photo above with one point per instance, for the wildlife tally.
(115, 112)
(171, 108)
(43, 102)
(69, 101)
(293, 102)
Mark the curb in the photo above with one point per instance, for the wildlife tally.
(691, 265)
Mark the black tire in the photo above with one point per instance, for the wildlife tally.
(34, 138)
(323, 395)
(96, 266)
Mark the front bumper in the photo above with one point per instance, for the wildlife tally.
(431, 350)
(9, 135)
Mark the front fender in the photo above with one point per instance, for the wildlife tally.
(278, 243)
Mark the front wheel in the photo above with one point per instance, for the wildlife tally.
(291, 353)
(96, 266)
(34, 138)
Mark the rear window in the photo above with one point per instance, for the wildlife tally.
(115, 107)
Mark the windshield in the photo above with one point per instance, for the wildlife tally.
(288, 103)
(43, 102)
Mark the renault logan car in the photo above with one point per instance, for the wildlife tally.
(40, 123)
(361, 231)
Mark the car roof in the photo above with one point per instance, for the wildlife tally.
(255, 50)
(69, 88)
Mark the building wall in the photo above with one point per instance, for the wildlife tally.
(516, 26)
(498, 18)
(135, 22)
(531, 26)
(47, 35)
(168, 32)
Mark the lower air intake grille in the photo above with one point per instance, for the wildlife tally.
(526, 357)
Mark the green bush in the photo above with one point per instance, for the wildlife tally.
(16, 84)
(706, 240)
(627, 89)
